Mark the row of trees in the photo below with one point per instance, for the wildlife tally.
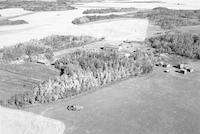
(44, 46)
(85, 70)
(184, 44)
(36, 5)
(164, 17)
(12, 22)
(108, 10)
(169, 18)
(87, 19)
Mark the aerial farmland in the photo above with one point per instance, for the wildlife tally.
(100, 67)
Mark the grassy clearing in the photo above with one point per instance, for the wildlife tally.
(180, 43)
(12, 22)
(108, 10)
(169, 18)
(36, 5)
(82, 71)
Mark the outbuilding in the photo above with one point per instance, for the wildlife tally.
(183, 71)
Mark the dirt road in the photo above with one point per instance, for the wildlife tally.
(157, 103)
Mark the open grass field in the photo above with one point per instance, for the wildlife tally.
(158, 103)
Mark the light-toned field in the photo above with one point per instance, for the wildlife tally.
(42, 24)
(46, 23)
(21, 122)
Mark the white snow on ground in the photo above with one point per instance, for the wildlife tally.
(21, 122)
(46, 23)
(124, 29)
(42, 24)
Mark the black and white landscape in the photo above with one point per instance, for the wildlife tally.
(100, 67)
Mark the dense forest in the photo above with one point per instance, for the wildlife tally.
(82, 71)
(169, 18)
(184, 44)
(108, 10)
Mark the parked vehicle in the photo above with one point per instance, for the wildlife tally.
(74, 107)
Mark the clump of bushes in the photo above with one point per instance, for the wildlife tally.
(183, 44)
(169, 18)
(108, 10)
(44, 46)
(82, 71)
(87, 19)
(36, 5)
(12, 22)
(27, 49)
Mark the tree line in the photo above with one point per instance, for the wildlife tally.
(83, 71)
(180, 43)
(44, 46)
(170, 18)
